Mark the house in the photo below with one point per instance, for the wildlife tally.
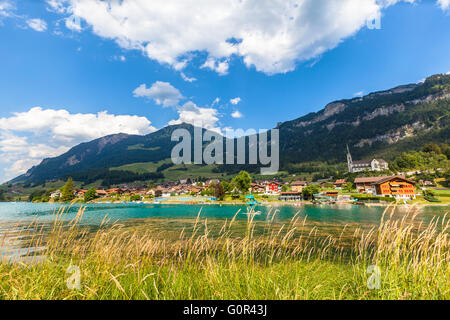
(297, 186)
(80, 193)
(426, 182)
(365, 165)
(273, 188)
(166, 193)
(387, 186)
(56, 194)
(195, 190)
(332, 194)
(114, 191)
(212, 182)
(290, 196)
(395, 186)
(340, 183)
(258, 188)
(365, 184)
(101, 193)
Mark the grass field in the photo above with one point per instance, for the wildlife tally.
(175, 172)
(442, 193)
(233, 260)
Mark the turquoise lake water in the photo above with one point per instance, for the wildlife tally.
(96, 212)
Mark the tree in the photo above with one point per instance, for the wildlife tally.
(90, 195)
(285, 188)
(67, 191)
(225, 186)
(242, 181)
(432, 147)
(219, 192)
(310, 190)
(135, 197)
(35, 196)
(348, 186)
(329, 185)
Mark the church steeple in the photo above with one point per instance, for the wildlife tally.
(349, 160)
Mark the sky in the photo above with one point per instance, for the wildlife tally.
(75, 70)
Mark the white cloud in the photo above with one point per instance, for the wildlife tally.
(358, 94)
(270, 35)
(235, 101)
(444, 4)
(237, 115)
(197, 116)
(216, 101)
(6, 8)
(162, 92)
(37, 24)
(119, 58)
(186, 78)
(28, 137)
(221, 67)
(58, 6)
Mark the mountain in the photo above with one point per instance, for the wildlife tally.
(106, 152)
(381, 124)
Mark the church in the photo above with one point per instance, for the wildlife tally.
(365, 165)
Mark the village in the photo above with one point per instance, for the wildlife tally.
(185, 191)
(363, 189)
(366, 182)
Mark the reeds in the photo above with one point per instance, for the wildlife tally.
(232, 259)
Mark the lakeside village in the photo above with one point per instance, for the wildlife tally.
(371, 189)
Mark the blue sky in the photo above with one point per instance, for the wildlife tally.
(73, 70)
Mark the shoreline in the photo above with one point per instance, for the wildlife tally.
(267, 203)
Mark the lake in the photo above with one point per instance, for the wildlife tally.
(94, 214)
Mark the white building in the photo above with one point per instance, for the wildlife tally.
(365, 165)
(56, 194)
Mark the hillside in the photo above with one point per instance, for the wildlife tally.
(381, 124)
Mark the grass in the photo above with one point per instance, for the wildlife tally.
(232, 259)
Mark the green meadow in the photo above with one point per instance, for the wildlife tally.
(402, 258)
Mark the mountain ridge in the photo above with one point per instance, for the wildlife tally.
(379, 124)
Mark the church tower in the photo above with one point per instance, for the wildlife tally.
(349, 160)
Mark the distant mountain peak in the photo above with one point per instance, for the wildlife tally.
(379, 124)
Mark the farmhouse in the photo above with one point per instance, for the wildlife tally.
(365, 184)
(297, 186)
(396, 186)
(339, 183)
(101, 193)
(391, 186)
(273, 188)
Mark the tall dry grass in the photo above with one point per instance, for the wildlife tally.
(232, 259)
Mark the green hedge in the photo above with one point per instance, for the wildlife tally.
(370, 198)
(431, 199)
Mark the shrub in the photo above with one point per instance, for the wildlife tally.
(135, 198)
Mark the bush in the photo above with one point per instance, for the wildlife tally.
(135, 198)
(431, 199)
(90, 195)
(374, 198)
